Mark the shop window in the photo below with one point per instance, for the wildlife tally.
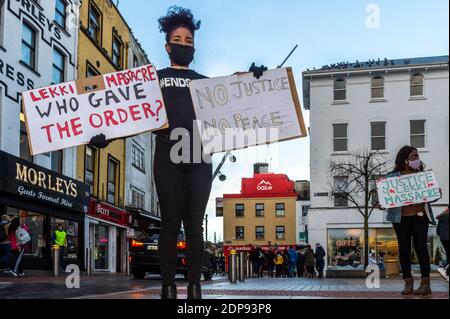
(239, 232)
(279, 210)
(239, 208)
(60, 13)
(259, 210)
(72, 251)
(28, 45)
(345, 248)
(281, 232)
(259, 232)
(101, 247)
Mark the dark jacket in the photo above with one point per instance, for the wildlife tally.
(442, 228)
(320, 253)
(310, 259)
(301, 260)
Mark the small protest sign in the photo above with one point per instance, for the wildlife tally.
(242, 107)
(408, 189)
(118, 105)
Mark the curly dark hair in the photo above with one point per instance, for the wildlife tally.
(176, 17)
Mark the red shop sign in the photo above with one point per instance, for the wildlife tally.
(108, 212)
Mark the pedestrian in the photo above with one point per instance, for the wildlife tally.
(301, 263)
(412, 223)
(183, 178)
(310, 262)
(286, 264)
(59, 240)
(292, 255)
(262, 262)
(5, 244)
(278, 264)
(18, 237)
(254, 259)
(381, 258)
(442, 231)
(270, 256)
(320, 259)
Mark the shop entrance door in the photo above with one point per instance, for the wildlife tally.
(101, 247)
(119, 251)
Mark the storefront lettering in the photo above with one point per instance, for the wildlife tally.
(345, 243)
(42, 196)
(45, 181)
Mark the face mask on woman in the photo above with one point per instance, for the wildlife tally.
(181, 54)
(415, 164)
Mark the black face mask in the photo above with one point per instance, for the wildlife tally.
(181, 54)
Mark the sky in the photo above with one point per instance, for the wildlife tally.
(235, 33)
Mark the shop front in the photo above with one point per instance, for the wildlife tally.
(346, 249)
(106, 237)
(44, 199)
(141, 221)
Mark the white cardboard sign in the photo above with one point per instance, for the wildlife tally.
(241, 104)
(119, 104)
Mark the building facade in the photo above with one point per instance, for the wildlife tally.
(377, 105)
(263, 213)
(140, 191)
(104, 47)
(38, 47)
(302, 188)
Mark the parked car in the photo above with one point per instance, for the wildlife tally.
(144, 256)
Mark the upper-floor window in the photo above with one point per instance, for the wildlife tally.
(60, 13)
(117, 51)
(417, 82)
(340, 191)
(239, 209)
(417, 128)
(378, 135)
(95, 26)
(259, 232)
(340, 137)
(340, 89)
(239, 232)
(135, 61)
(279, 210)
(57, 161)
(280, 232)
(259, 210)
(112, 180)
(377, 87)
(137, 198)
(2, 2)
(59, 65)
(25, 152)
(89, 168)
(28, 45)
(137, 157)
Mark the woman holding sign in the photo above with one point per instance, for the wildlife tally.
(183, 173)
(411, 223)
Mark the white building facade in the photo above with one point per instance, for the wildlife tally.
(381, 105)
(38, 47)
(140, 191)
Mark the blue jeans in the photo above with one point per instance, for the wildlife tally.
(5, 252)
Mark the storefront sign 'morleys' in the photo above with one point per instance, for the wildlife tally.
(44, 180)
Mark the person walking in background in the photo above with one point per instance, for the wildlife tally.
(292, 255)
(286, 264)
(5, 244)
(301, 259)
(310, 262)
(254, 259)
(442, 231)
(270, 257)
(411, 223)
(262, 262)
(18, 236)
(381, 258)
(59, 239)
(320, 259)
(278, 264)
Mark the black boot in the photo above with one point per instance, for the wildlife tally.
(169, 292)
(194, 291)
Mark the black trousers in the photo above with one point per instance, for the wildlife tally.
(183, 192)
(415, 228)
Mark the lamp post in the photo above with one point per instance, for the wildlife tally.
(206, 228)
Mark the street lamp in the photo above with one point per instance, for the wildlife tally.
(223, 177)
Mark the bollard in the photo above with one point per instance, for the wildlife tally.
(241, 267)
(247, 261)
(250, 275)
(88, 262)
(233, 267)
(56, 265)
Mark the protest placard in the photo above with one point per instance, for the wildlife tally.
(242, 107)
(118, 105)
(408, 189)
